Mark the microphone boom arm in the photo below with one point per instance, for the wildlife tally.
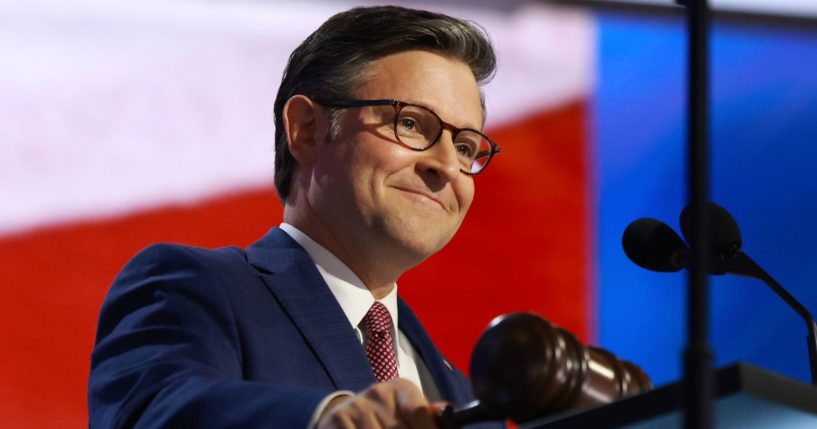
(741, 264)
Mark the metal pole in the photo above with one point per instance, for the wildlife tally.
(698, 355)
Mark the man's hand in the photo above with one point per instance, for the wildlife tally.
(393, 404)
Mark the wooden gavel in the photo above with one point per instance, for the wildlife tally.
(523, 367)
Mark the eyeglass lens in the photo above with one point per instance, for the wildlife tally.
(419, 128)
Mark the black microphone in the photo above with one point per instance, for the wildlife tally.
(654, 245)
(724, 239)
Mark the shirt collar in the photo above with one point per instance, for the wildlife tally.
(353, 296)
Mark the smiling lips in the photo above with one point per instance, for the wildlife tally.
(423, 193)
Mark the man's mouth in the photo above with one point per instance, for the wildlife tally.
(422, 193)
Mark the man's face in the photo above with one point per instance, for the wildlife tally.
(380, 197)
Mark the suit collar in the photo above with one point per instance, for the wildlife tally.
(291, 276)
(354, 297)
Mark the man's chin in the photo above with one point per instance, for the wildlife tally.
(417, 236)
(422, 245)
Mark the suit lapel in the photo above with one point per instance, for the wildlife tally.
(441, 371)
(291, 276)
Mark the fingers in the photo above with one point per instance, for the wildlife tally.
(394, 404)
(414, 408)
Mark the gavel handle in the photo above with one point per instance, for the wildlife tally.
(451, 418)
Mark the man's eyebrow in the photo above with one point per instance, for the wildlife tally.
(419, 103)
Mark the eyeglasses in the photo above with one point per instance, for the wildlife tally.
(418, 128)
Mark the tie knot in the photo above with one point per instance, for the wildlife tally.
(378, 320)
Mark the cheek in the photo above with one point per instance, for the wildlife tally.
(382, 158)
(390, 155)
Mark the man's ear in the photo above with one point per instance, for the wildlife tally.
(304, 126)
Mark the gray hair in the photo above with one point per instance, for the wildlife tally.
(330, 62)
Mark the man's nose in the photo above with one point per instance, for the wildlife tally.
(441, 158)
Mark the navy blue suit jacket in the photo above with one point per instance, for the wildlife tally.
(232, 338)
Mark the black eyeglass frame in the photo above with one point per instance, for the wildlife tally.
(398, 106)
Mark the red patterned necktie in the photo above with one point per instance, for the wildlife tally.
(379, 342)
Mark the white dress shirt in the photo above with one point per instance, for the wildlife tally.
(355, 299)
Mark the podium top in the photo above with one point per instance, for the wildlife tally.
(745, 397)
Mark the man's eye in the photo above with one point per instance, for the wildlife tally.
(465, 150)
(407, 124)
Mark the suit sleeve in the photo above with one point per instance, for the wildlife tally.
(168, 353)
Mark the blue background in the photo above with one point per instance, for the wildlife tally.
(764, 154)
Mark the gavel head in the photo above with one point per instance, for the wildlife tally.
(523, 367)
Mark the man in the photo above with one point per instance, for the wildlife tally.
(378, 122)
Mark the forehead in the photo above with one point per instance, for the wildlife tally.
(443, 84)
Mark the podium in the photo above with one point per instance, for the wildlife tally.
(745, 397)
